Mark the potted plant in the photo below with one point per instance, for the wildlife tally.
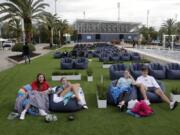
(57, 75)
(89, 75)
(101, 96)
(175, 94)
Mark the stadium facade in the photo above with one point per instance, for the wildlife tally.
(105, 31)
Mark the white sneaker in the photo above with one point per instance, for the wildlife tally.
(173, 105)
(22, 116)
(147, 101)
(85, 107)
(42, 112)
(73, 96)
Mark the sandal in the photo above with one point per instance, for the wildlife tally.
(121, 107)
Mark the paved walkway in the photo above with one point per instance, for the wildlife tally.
(155, 55)
(5, 63)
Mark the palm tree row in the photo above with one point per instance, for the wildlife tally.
(27, 10)
(20, 14)
(169, 27)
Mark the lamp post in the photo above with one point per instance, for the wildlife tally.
(0, 29)
(84, 14)
(118, 6)
(148, 18)
(55, 6)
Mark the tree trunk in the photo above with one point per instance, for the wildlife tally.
(51, 38)
(59, 38)
(28, 29)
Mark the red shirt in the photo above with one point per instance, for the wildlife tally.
(43, 87)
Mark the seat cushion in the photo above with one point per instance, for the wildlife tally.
(71, 106)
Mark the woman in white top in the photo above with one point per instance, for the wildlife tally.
(148, 83)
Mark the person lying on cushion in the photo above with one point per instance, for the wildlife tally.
(69, 90)
(122, 89)
(38, 97)
(148, 83)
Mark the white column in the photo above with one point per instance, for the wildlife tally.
(172, 43)
(164, 41)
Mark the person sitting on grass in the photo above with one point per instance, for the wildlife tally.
(68, 87)
(122, 90)
(148, 83)
(38, 97)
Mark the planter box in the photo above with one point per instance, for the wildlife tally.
(89, 60)
(89, 78)
(106, 65)
(175, 97)
(101, 103)
(68, 77)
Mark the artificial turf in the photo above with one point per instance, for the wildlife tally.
(93, 121)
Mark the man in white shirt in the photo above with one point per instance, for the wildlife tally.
(148, 83)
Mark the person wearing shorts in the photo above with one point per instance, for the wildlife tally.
(146, 83)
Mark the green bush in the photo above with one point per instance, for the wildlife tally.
(145, 61)
(19, 47)
(101, 91)
(57, 73)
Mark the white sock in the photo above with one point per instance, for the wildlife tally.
(42, 112)
(80, 103)
(147, 101)
(22, 116)
(171, 105)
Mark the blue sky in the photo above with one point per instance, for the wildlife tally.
(130, 10)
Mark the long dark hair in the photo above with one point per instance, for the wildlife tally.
(37, 79)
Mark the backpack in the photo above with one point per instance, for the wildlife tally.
(142, 109)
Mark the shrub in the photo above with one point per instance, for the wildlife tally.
(57, 73)
(89, 72)
(145, 61)
(112, 62)
(101, 91)
(19, 47)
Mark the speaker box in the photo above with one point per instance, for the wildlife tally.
(79, 37)
(98, 36)
(121, 36)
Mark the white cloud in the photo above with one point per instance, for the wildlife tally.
(130, 10)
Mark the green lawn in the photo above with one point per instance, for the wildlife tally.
(88, 122)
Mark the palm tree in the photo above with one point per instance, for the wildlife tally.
(178, 28)
(15, 26)
(24, 9)
(61, 28)
(169, 25)
(49, 21)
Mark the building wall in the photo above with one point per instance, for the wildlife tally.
(108, 37)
